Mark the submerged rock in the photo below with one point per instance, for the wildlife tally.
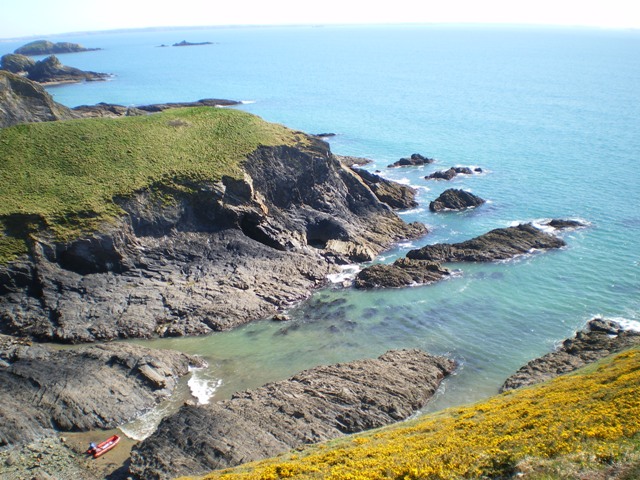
(96, 387)
(401, 273)
(498, 244)
(315, 405)
(599, 339)
(455, 199)
(415, 160)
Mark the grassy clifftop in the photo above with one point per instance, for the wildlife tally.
(65, 175)
(571, 427)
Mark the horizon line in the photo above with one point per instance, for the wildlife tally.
(319, 25)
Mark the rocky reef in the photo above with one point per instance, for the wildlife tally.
(394, 194)
(45, 47)
(315, 405)
(452, 172)
(599, 338)
(45, 390)
(455, 199)
(401, 273)
(414, 160)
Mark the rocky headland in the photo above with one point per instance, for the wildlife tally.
(414, 160)
(313, 406)
(455, 199)
(46, 390)
(600, 338)
(45, 47)
(48, 71)
(394, 194)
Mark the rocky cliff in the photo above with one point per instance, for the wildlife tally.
(315, 405)
(23, 101)
(188, 257)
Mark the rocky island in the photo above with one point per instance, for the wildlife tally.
(45, 47)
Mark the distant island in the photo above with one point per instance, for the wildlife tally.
(45, 47)
(184, 43)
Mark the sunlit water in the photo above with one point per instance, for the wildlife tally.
(552, 117)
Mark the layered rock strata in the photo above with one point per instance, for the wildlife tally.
(45, 390)
(313, 406)
(219, 256)
(597, 340)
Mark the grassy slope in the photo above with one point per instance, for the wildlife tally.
(586, 420)
(66, 174)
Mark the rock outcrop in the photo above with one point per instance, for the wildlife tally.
(113, 110)
(451, 173)
(45, 47)
(184, 43)
(455, 199)
(401, 273)
(498, 244)
(315, 405)
(394, 194)
(19, 64)
(599, 339)
(23, 101)
(96, 387)
(220, 256)
(50, 70)
(414, 160)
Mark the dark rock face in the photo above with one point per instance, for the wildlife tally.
(50, 70)
(599, 339)
(353, 161)
(560, 224)
(45, 47)
(313, 406)
(226, 254)
(395, 195)
(101, 386)
(23, 101)
(498, 244)
(401, 273)
(415, 160)
(14, 63)
(449, 174)
(455, 199)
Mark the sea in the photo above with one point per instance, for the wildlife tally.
(550, 115)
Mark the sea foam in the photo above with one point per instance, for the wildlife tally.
(203, 388)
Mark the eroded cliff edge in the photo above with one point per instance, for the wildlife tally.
(189, 256)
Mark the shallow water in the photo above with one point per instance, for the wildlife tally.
(552, 116)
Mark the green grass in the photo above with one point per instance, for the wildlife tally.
(68, 173)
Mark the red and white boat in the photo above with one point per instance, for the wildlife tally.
(103, 447)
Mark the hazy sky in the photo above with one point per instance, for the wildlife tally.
(40, 17)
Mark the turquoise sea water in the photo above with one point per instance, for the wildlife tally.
(551, 115)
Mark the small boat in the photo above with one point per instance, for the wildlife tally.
(103, 447)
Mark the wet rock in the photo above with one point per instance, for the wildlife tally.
(414, 160)
(599, 339)
(313, 406)
(280, 317)
(498, 244)
(96, 387)
(449, 174)
(394, 194)
(455, 199)
(401, 273)
(560, 224)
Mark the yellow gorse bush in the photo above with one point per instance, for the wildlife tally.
(595, 412)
